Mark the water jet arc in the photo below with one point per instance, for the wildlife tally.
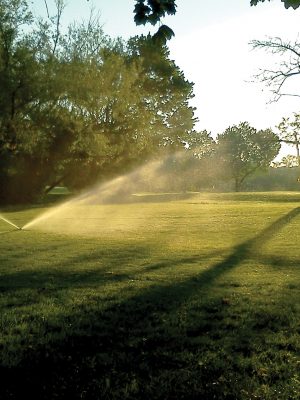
(10, 223)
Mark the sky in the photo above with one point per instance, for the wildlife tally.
(211, 46)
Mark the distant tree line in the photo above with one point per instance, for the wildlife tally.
(224, 163)
(182, 174)
(281, 178)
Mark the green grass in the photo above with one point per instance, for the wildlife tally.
(192, 297)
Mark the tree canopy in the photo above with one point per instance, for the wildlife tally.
(77, 106)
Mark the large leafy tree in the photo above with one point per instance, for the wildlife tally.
(134, 102)
(166, 92)
(242, 150)
(20, 88)
(78, 106)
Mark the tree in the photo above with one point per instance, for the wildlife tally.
(242, 150)
(167, 93)
(19, 88)
(78, 106)
(134, 101)
(289, 132)
(288, 67)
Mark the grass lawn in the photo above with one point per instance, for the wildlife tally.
(168, 297)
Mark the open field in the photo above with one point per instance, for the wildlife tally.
(165, 297)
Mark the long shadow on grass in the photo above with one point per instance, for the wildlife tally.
(263, 197)
(249, 248)
(241, 252)
(168, 341)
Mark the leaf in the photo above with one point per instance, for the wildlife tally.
(141, 12)
(154, 11)
(163, 34)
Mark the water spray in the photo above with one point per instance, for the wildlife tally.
(10, 223)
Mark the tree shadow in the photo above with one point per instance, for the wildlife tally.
(248, 248)
(163, 342)
(275, 197)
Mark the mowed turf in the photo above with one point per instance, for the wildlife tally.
(168, 297)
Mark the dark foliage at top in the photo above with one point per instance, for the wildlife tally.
(287, 3)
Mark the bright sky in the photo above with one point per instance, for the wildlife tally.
(211, 47)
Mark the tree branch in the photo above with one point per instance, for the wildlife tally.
(47, 9)
(287, 68)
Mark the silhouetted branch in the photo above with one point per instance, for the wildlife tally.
(287, 68)
(47, 9)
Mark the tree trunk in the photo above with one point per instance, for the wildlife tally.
(297, 145)
(52, 186)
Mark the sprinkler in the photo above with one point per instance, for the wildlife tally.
(10, 223)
